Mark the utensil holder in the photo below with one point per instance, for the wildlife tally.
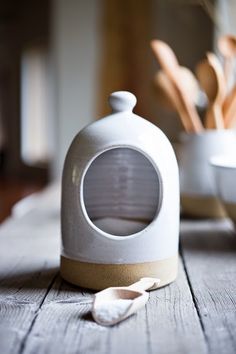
(197, 184)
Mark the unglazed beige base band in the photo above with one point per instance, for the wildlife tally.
(202, 207)
(100, 276)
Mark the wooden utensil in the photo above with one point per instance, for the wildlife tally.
(227, 47)
(229, 109)
(113, 305)
(175, 100)
(189, 81)
(161, 94)
(211, 77)
(165, 56)
(169, 63)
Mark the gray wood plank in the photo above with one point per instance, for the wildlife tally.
(64, 323)
(168, 324)
(175, 327)
(28, 264)
(40, 313)
(209, 254)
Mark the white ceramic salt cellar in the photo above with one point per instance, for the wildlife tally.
(120, 202)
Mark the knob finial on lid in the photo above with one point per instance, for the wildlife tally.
(122, 101)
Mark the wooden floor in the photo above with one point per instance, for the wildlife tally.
(40, 313)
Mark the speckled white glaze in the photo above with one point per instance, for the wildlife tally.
(196, 175)
(81, 239)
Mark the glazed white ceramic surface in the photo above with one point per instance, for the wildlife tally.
(129, 141)
(224, 169)
(196, 176)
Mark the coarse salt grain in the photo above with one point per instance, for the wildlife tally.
(111, 310)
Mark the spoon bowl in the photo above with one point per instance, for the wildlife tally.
(189, 82)
(227, 45)
(165, 56)
(114, 304)
(206, 76)
(227, 48)
(169, 64)
(211, 77)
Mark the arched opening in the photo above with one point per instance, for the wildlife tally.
(122, 191)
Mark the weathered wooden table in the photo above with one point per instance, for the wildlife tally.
(40, 313)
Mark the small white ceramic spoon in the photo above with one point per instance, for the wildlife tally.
(114, 304)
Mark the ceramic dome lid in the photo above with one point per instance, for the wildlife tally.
(121, 128)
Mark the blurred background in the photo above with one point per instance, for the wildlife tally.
(60, 59)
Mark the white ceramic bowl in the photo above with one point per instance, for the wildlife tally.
(224, 168)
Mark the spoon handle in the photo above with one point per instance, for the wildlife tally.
(214, 117)
(229, 109)
(144, 284)
(185, 105)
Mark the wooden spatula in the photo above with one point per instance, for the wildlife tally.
(169, 63)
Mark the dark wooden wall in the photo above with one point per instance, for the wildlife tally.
(127, 61)
(22, 23)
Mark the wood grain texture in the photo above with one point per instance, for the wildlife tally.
(41, 313)
(173, 321)
(209, 251)
(169, 324)
(28, 264)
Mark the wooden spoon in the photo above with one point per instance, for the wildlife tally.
(175, 100)
(169, 63)
(227, 47)
(188, 80)
(113, 305)
(211, 77)
(160, 92)
(229, 109)
(165, 56)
